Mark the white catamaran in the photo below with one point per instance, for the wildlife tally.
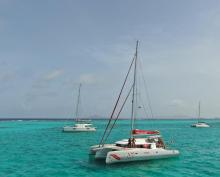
(81, 125)
(200, 124)
(142, 144)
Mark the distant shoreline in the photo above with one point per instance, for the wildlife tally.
(71, 119)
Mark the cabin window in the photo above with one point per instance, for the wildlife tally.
(121, 145)
(139, 146)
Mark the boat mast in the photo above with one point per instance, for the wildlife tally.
(133, 112)
(199, 113)
(78, 101)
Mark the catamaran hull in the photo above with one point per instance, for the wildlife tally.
(200, 126)
(73, 129)
(139, 155)
(94, 149)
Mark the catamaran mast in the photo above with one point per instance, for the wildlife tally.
(199, 113)
(134, 90)
(78, 102)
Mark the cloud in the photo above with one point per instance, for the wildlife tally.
(177, 103)
(43, 87)
(43, 81)
(87, 79)
(111, 54)
(36, 96)
(2, 22)
(53, 75)
(32, 96)
(7, 76)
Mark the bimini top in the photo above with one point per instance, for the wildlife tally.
(145, 132)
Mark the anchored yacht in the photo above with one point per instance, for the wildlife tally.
(200, 124)
(141, 144)
(81, 125)
(149, 147)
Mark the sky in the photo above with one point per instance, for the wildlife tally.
(48, 47)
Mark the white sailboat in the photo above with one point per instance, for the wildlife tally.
(200, 124)
(141, 145)
(81, 125)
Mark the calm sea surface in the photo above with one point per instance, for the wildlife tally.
(41, 149)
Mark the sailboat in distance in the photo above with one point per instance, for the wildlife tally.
(141, 144)
(200, 124)
(81, 125)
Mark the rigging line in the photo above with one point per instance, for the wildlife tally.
(145, 109)
(117, 100)
(140, 96)
(146, 88)
(118, 113)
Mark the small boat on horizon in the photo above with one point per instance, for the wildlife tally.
(81, 125)
(200, 124)
(142, 144)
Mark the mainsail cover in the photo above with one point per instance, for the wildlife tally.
(145, 132)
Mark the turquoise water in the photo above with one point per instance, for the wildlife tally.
(41, 149)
